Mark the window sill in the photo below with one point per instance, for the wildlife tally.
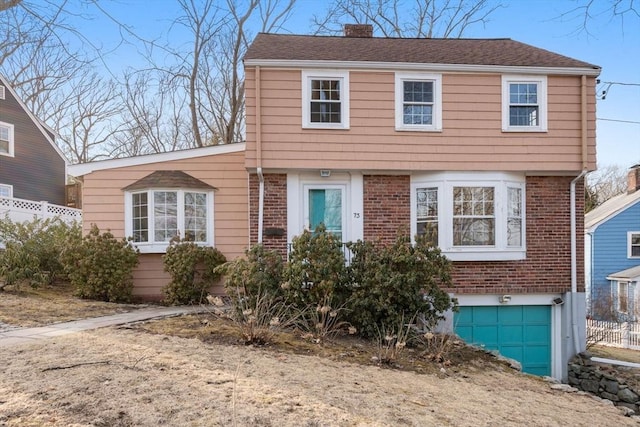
(151, 248)
(486, 255)
(418, 129)
(525, 129)
(7, 154)
(325, 126)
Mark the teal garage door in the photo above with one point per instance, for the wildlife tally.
(521, 332)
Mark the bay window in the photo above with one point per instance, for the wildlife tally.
(471, 216)
(155, 216)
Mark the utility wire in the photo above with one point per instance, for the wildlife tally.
(616, 120)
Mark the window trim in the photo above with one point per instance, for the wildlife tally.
(307, 77)
(11, 152)
(436, 125)
(9, 187)
(619, 285)
(541, 81)
(161, 247)
(2, 92)
(629, 245)
(501, 182)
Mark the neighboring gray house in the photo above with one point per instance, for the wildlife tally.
(32, 167)
(612, 255)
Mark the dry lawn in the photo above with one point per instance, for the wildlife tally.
(183, 372)
(28, 307)
(130, 378)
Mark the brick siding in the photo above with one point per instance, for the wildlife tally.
(275, 210)
(547, 267)
(387, 207)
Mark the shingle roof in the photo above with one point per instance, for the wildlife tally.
(500, 52)
(168, 179)
(628, 274)
(610, 208)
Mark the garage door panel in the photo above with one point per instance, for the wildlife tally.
(511, 334)
(485, 316)
(522, 333)
(510, 315)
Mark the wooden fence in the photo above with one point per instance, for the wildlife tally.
(614, 334)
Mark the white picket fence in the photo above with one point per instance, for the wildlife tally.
(21, 210)
(614, 334)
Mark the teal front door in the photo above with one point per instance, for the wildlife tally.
(520, 332)
(325, 207)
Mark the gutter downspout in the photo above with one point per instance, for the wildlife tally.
(259, 155)
(574, 263)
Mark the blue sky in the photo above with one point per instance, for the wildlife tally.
(612, 44)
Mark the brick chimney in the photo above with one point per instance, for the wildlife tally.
(358, 30)
(633, 179)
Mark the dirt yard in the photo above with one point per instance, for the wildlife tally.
(122, 377)
(146, 375)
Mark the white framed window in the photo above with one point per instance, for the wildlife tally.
(154, 216)
(622, 300)
(524, 103)
(418, 102)
(325, 99)
(633, 245)
(1, 92)
(6, 190)
(6, 139)
(472, 216)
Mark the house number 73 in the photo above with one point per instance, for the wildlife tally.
(356, 214)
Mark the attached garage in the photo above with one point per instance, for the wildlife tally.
(520, 332)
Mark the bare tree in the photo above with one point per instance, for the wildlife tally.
(206, 78)
(407, 18)
(604, 184)
(88, 118)
(58, 83)
(587, 11)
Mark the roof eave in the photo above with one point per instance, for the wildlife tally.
(279, 63)
(81, 169)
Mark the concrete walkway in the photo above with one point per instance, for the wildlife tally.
(26, 335)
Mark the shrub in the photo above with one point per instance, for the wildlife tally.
(33, 250)
(316, 270)
(397, 282)
(324, 321)
(258, 273)
(193, 271)
(101, 267)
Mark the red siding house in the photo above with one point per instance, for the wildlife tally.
(485, 142)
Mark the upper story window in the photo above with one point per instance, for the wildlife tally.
(524, 103)
(6, 190)
(325, 99)
(633, 237)
(1, 92)
(418, 102)
(6, 139)
(471, 216)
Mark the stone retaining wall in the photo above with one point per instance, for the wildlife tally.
(602, 381)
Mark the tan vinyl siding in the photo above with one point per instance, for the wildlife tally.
(103, 204)
(471, 139)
